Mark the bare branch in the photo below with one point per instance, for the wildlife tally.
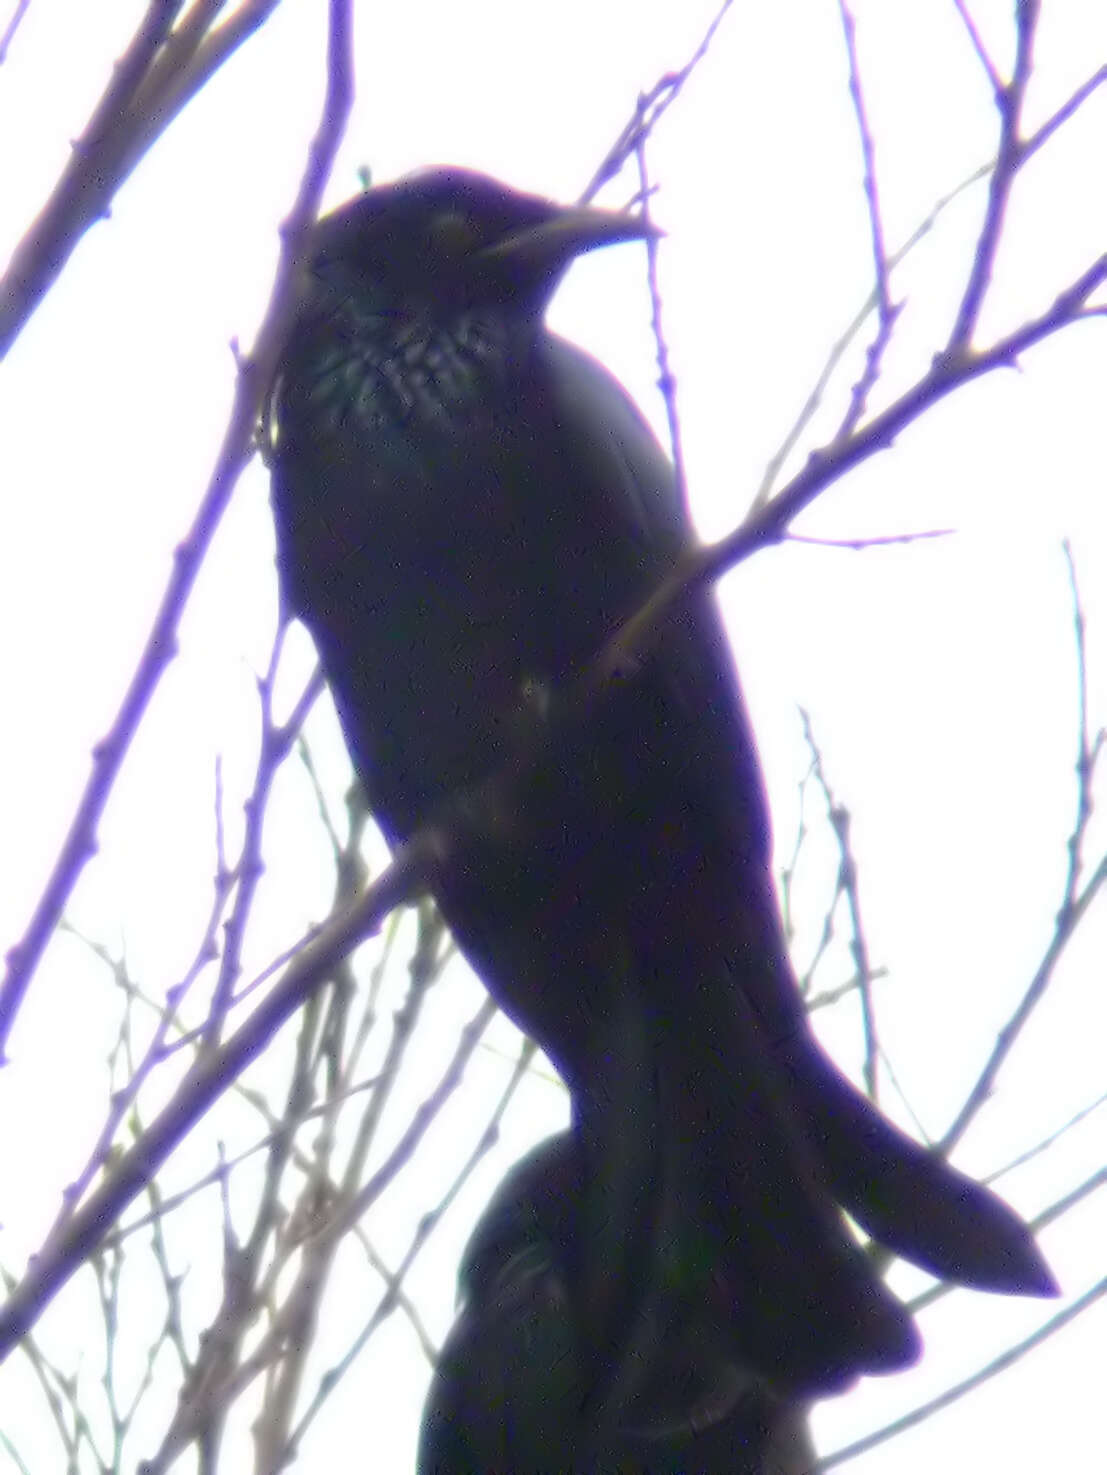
(427, 1224)
(189, 59)
(404, 1303)
(87, 183)
(887, 311)
(159, 73)
(1063, 113)
(1047, 1141)
(275, 744)
(769, 523)
(21, 8)
(1074, 903)
(650, 108)
(951, 1395)
(9, 1448)
(838, 349)
(209, 1078)
(1087, 752)
(666, 382)
(858, 545)
(1009, 157)
(254, 376)
(847, 883)
(289, 1338)
(994, 79)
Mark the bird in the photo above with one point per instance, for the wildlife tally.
(508, 1392)
(467, 507)
(514, 1386)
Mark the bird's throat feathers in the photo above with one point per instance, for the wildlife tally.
(365, 366)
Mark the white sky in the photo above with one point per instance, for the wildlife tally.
(940, 675)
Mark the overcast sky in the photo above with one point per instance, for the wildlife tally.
(940, 675)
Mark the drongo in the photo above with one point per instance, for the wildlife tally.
(510, 1392)
(466, 508)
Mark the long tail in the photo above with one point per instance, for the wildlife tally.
(750, 1196)
(906, 1196)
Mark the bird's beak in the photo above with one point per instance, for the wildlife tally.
(553, 243)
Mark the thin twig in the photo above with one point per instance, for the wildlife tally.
(1009, 157)
(1046, 1142)
(666, 381)
(169, 89)
(85, 188)
(1033, 995)
(789, 870)
(847, 883)
(404, 1303)
(1087, 752)
(770, 523)
(887, 311)
(650, 108)
(423, 1231)
(254, 376)
(1074, 903)
(274, 747)
(291, 1333)
(839, 348)
(858, 545)
(202, 1405)
(157, 1050)
(968, 1385)
(1063, 113)
(21, 8)
(164, 1206)
(992, 72)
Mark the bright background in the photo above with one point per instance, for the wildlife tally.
(940, 675)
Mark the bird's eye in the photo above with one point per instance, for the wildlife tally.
(452, 233)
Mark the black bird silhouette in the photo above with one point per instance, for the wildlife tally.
(529, 1380)
(510, 1391)
(466, 506)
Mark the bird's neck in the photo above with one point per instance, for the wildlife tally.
(375, 360)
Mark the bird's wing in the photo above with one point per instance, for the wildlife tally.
(903, 1194)
(594, 409)
(720, 768)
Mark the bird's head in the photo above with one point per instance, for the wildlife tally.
(464, 239)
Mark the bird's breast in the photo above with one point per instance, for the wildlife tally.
(449, 551)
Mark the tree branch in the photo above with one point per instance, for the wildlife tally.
(254, 376)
